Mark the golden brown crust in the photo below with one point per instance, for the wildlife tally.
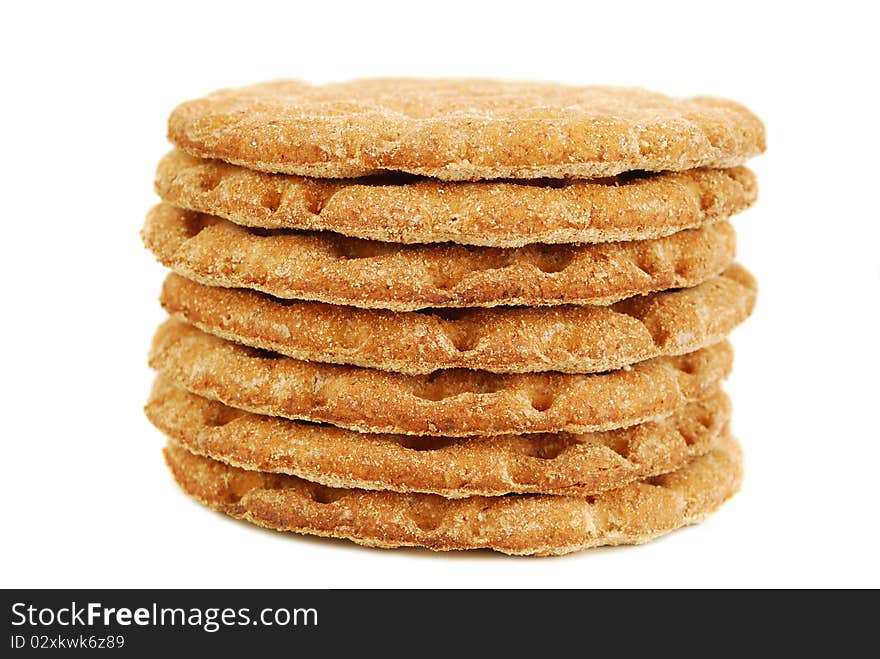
(452, 402)
(463, 129)
(491, 214)
(561, 464)
(514, 524)
(337, 270)
(502, 340)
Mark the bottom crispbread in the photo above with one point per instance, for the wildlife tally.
(514, 524)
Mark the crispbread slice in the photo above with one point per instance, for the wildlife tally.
(569, 339)
(463, 129)
(337, 270)
(562, 464)
(513, 524)
(491, 214)
(452, 402)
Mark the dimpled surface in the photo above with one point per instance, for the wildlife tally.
(586, 339)
(454, 402)
(488, 213)
(338, 270)
(514, 524)
(561, 463)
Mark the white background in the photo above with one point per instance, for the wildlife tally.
(86, 91)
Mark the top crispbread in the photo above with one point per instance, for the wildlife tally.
(486, 213)
(463, 129)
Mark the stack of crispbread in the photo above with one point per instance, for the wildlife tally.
(452, 313)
